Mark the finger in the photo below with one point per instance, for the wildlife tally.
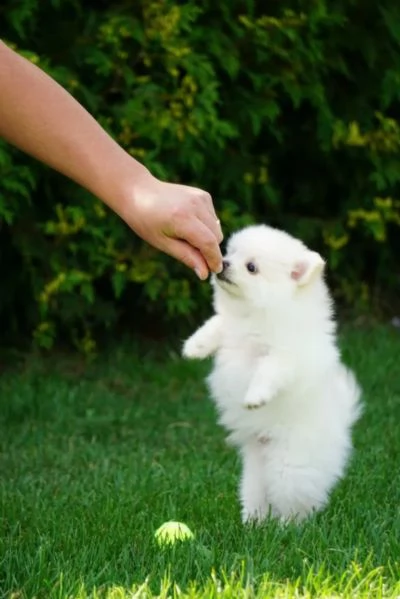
(206, 213)
(188, 255)
(212, 222)
(198, 235)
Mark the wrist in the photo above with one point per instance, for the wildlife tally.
(125, 183)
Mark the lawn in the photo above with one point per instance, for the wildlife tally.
(95, 457)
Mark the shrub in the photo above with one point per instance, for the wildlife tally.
(286, 115)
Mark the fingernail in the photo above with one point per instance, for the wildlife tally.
(199, 274)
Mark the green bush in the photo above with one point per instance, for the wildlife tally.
(286, 114)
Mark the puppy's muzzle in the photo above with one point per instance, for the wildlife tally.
(224, 274)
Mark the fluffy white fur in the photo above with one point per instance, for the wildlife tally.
(278, 381)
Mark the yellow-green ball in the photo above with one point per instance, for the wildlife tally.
(171, 532)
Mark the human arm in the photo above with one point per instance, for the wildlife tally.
(41, 118)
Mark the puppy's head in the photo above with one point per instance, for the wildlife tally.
(266, 267)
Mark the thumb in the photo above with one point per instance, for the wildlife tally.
(188, 255)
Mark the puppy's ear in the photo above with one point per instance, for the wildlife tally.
(307, 268)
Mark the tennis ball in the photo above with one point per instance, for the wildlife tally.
(171, 532)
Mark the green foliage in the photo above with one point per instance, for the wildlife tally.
(286, 114)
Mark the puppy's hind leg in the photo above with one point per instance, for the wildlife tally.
(294, 489)
(252, 488)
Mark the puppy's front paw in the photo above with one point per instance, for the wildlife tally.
(193, 348)
(256, 398)
(254, 404)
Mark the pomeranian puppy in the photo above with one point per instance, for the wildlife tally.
(278, 382)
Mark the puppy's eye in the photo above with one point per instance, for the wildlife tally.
(251, 267)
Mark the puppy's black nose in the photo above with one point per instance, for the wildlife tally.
(222, 276)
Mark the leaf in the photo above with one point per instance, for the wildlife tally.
(119, 282)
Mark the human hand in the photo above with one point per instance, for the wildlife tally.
(176, 219)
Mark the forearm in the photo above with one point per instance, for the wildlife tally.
(41, 118)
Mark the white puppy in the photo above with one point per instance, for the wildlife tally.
(278, 381)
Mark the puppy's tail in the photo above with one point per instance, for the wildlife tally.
(351, 393)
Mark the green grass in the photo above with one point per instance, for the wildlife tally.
(95, 457)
